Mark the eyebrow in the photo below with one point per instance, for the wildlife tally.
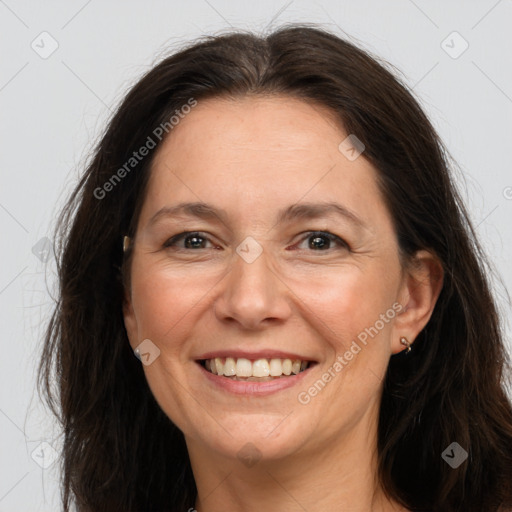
(293, 212)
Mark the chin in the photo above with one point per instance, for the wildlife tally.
(256, 436)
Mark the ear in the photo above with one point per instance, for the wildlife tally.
(420, 289)
(130, 320)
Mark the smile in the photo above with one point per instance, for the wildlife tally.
(254, 377)
(257, 370)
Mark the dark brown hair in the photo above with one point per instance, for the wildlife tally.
(121, 452)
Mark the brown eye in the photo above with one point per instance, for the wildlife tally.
(321, 241)
(193, 240)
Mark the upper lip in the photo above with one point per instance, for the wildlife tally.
(260, 354)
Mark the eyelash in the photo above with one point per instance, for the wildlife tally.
(186, 234)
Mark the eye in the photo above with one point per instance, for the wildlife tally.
(320, 241)
(193, 240)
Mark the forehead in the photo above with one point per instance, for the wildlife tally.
(254, 127)
(256, 151)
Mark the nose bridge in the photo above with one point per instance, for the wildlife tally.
(252, 290)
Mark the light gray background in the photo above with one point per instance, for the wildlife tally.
(52, 110)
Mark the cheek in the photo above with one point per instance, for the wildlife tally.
(164, 302)
(342, 302)
(339, 301)
(347, 313)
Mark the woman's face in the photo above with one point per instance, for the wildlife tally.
(261, 280)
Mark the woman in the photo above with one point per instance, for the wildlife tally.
(269, 225)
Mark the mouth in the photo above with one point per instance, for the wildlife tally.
(255, 370)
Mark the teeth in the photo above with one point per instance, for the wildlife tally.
(276, 367)
(264, 369)
(243, 368)
(260, 368)
(287, 367)
(229, 367)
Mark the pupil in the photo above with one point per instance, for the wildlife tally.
(320, 239)
(192, 241)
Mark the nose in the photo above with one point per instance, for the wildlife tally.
(253, 294)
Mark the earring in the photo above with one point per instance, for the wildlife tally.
(126, 243)
(403, 341)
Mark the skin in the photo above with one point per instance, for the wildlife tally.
(253, 157)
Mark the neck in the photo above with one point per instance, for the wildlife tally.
(341, 471)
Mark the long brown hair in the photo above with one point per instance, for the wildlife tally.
(121, 452)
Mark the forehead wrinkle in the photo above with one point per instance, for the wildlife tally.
(293, 212)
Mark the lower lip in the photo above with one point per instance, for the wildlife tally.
(240, 387)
